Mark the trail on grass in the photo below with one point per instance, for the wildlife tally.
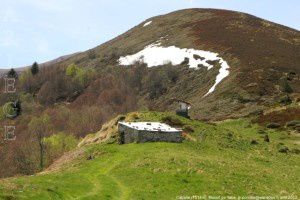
(124, 190)
(103, 179)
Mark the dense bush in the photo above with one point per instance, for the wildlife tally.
(293, 123)
(285, 87)
(273, 125)
(285, 100)
(60, 88)
(157, 81)
(26, 81)
(57, 144)
(79, 74)
(283, 149)
(155, 84)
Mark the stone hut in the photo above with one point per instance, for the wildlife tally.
(141, 132)
(183, 108)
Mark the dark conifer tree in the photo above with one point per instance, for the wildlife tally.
(12, 74)
(34, 68)
(17, 107)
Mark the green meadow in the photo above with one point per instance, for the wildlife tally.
(226, 158)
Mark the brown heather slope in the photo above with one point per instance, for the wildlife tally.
(260, 54)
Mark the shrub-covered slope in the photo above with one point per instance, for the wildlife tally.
(263, 58)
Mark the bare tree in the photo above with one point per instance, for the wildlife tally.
(40, 127)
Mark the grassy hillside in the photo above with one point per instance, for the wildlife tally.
(227, 158)
(79, 92)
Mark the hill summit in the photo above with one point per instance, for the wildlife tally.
(231, 64)
(226, 63)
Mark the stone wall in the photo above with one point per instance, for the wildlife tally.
(130, 135)
(127, 134)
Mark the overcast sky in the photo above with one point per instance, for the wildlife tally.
(41, 30)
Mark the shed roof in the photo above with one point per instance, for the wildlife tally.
(150, 126)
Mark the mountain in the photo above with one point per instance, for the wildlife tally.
(226, 64)
(258, 52)
(261, 56)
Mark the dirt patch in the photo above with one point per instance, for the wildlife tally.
(65, 159)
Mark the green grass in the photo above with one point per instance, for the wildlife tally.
(221, 162)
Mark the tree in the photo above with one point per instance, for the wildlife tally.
(72, 70)
(172, 73)
(34, 68)
(156, 84)
(48, 93)
(17, 107)
(57, 144)
(79, 74)
(26, 80)
(40, 127)
(287, 89)
(12, 74)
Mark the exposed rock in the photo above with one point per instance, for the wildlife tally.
(198, 57)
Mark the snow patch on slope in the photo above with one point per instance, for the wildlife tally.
(156, 55)
(147, 23)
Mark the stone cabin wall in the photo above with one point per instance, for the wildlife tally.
(127, 134)
(130, 135)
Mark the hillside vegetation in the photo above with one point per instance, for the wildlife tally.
(230, 157)
(74, 95)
